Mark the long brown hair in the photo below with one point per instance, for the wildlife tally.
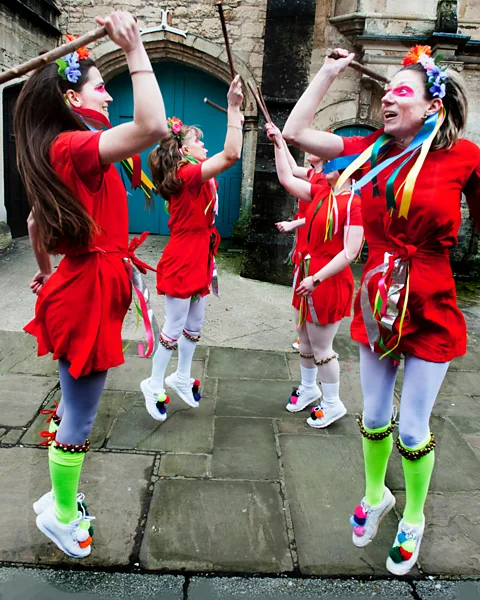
(165, 160)
(41, 114)
(456, 107)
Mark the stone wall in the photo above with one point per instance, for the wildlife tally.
(245, 21)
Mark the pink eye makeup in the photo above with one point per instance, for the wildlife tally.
(100, 88)
(403, 91)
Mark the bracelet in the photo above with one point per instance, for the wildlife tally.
(316, 282)
(141, 71)
(235, 127)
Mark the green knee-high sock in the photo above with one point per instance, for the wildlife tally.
(417, 475)
(376, 454)
(65, 469)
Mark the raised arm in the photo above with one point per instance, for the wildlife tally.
(295, 186)
(300, 172)
(149, 123)
(232, 148)
(298, 131)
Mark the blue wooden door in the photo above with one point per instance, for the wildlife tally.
(183, 89)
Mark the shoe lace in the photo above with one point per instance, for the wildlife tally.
(49, 437)
(50, 411)
(365, 506)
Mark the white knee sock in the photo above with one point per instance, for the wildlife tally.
(186, 350)
(309, 377)
(330, 393)
(160, 361)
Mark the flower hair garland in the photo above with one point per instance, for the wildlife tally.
(68, 65)
(176, 127)
(436, 75)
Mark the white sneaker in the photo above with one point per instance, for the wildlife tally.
(47, 500)
(404, 553)
(301, 397)
(185, 389)
(324, 415)
(366, 519)
(73, 538)
(155, 402)
(296, 345)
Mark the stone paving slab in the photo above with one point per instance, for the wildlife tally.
(185, 430)
(184, 465)
(245, 364)
(448, 590)
(457, 466)
(18, 352)
(21, 396)
(246, 588)
(347, 425)
(244, 449)
(49, 584)
(233, 526)
(10, 340)
(324, 482)
(127, 377)
(115, 485)
(253, 398)
(451, 543)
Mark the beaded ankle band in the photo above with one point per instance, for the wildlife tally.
(190, 337)
(302, 355)
(416, 454)
(57, 420)
(324, 361)
(73, 448)
(375, 436)
(168, 346)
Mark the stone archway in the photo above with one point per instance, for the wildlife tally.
(202, 54)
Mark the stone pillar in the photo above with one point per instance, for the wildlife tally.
(289, 33)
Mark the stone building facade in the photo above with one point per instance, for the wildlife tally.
(280, 44)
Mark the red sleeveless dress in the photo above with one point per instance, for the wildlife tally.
(80, 310)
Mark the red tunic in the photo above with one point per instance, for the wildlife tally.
(301, 233)
(186, 266)
(332, 298)
(80, 310)
(434, 328)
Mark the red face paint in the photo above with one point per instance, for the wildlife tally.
(100, 88)
(403, 91)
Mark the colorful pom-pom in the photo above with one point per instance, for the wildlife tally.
(91, 531)
(85, 543)
(196, 382)
(161, 408)
(360, 513)
(405, 554)
(395, 554)
(402, 537)
(167, 400)
(409, 546)
(293, 399)
(359, 521)
(197, 396)
(359, 530)
(319, 413)
(353, 523)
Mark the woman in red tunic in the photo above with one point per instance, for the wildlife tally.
(313, 175)
(186, 180)
(323, 285)
(411, 194)
(79, 209)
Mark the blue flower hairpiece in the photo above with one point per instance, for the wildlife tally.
(69, 67)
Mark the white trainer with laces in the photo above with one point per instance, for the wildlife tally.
(404, 553)
(182, 387)
(155, 402)
(47, 500)
(73, 539)
(366, 519)
(325, 414)
(301, 397)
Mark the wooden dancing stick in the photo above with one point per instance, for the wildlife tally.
(225, 37)
(217, 106)
(48, 57)
(257, 94)
(359, 67)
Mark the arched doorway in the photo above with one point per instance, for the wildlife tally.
(353, 130)
(184, 89)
